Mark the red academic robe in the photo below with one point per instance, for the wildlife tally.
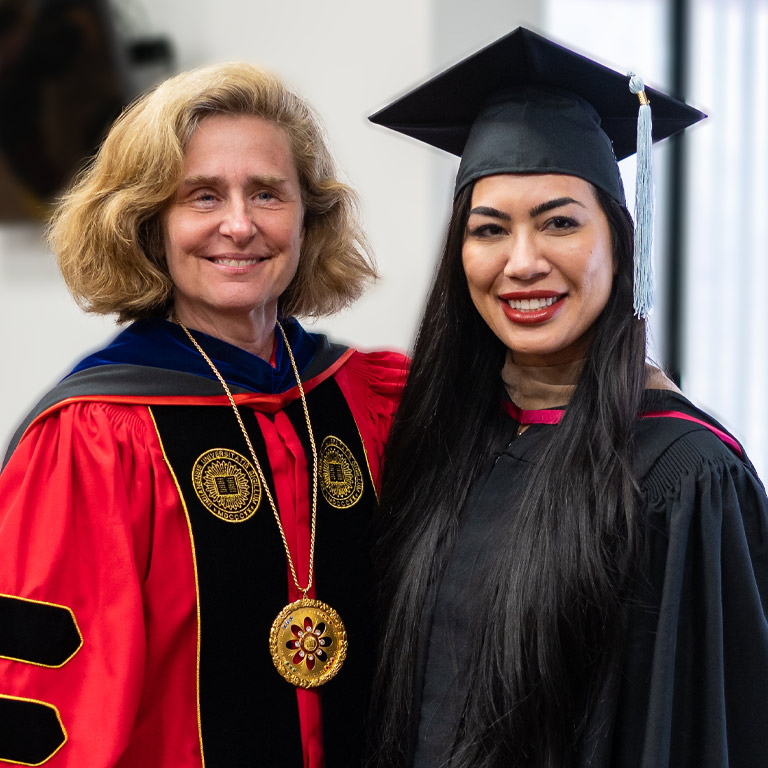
(98, 556)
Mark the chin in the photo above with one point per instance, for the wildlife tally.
(546, 355)
(529, 349)
(240, 303)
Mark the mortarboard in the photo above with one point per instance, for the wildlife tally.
(527, 105)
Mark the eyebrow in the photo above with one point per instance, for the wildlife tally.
(205, 180)
(485, 210)
(559, 202)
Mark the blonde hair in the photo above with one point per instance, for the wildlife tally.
(107, 231)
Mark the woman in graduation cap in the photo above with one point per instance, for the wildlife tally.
(577, 557)
(184, 558)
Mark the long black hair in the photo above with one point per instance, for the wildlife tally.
(553, 609)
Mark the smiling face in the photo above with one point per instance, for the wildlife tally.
(234, 228)
(538, 259)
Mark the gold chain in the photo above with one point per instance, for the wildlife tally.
(272, 504)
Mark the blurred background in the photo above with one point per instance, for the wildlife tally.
(68, 66)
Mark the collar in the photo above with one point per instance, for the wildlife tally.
(534, 388)
(539, 394)
(157, 343)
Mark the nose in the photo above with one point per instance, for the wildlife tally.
(238, 223)
(525, 259)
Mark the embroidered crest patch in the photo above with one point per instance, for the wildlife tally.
(226, 484)
(341, 480)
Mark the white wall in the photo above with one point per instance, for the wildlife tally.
(725, 334)
(348, 58)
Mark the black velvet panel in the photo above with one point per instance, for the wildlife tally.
(242, 587)
(37, 633)
(344, 579)
(30, 732)
(249, 713)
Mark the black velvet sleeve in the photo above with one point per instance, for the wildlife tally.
(693, 689)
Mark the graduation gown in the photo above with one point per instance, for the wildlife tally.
(692, 688)
(141, 566)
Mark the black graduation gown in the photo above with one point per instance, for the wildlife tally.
(693, 684)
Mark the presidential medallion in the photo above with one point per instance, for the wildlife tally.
(341, 481)
(308, 643)
(226, 484)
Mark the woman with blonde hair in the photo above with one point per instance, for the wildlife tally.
(183, 519)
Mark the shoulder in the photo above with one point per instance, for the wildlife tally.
(113, 385)
(678, 442)
(99, 418)
(70, 422)
(381, 373)
(372, 383)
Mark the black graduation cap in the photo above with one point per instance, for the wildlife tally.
(527, 105)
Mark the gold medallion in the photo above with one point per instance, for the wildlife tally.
(308, 643)
(226, 484)
(341, 481)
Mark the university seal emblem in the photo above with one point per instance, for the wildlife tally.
(341, 480)
(226, 484)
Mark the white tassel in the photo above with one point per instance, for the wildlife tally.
(643, 278)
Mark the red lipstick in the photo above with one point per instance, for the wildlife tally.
(531, 316)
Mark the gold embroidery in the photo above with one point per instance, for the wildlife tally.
(368, 463)
(197, 585)
(74, 622)
(58, 717)
(226, 484)
(341, 480)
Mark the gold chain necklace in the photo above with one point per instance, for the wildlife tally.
(307, 640)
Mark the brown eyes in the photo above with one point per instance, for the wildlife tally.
(556, 224)
(486, 230)
(561, 223)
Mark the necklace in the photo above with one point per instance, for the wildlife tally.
(307, 641)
